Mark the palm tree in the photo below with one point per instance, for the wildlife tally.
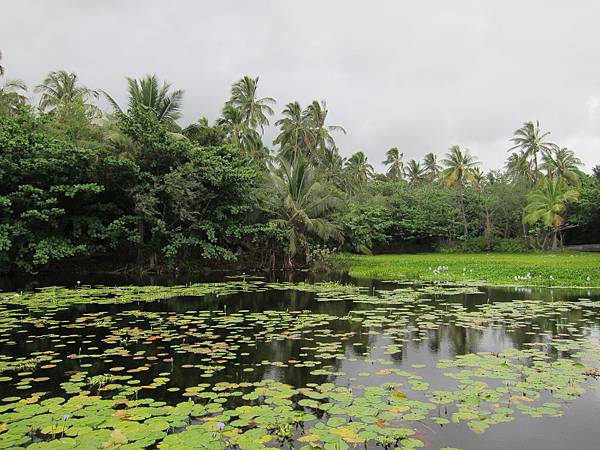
(478, 177)
(431, 166)
(458, 173)
(561, 163)
(459, 167)
(316, 115)
(60, 87)
(395, 163)
(519, 168)
(244, 138)
(548, 203)
(296, 134)
(359, 169)
(254, 110)
(302, 204)
(332, 166)
(531, 141)
(11, 93)
(414, 172)
(147, 92)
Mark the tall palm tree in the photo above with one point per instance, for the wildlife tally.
(332, 166)
(359, 169)
(548, 203)
(302, 205)
(531, 141)
(519, 168)
(414, 172)
(561, 163)
(60, 87)
(149, 93)
(316, 116)
(458, 167)
(395, 163)
(11, 93)
(458, 172)
(431, 166)
(296, 134)
(246, 139)
(478, 177)
(254, 110)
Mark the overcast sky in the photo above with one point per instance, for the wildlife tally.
(418, 75)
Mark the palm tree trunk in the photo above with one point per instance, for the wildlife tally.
(463, 214)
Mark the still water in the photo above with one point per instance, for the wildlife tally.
(58, 343)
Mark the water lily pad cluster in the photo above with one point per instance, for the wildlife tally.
(146, 367)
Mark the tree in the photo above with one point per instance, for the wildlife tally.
(244, 138)
(431, 166)
(61, 87)
(296, 135)
(254, 110)
(148, 92)
(332, 166)
(301, 207)
(316, 115)
(548, 203)
(518, 168)
(359, 170)
(395, 163)
(561, 163)
(458, 171)
(531, 141)
(11, 93)
(414, 172)
(204, 135)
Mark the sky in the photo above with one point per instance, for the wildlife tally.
(417, 75)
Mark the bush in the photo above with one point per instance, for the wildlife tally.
(481, 244)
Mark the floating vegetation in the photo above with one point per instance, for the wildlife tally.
(249, 364)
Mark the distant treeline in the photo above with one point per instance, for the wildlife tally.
(131, 188)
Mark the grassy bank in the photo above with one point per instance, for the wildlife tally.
(546, 269)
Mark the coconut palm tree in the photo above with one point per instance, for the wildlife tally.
(302, 205)
(60, 87)
(431, 166)
(148, 92)
(561, 163)
(246, 139)
(532, 142)
(459, 167)
(11, 93)
(458, 172)
(395, 163)
(548, 204)
(254, 110)
(359, 170)
(519, 168)
(332, 166)
(316, 116)
(414, 172)
(296, 134)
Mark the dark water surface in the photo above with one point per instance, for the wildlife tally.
(364, 349)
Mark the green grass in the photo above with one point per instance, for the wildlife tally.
(547, 269)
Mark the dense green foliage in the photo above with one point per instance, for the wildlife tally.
(132, 187)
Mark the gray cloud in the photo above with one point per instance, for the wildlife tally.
(417, 75)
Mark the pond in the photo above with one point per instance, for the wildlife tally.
(249, 363)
